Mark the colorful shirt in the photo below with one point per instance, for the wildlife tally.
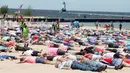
(52, 51)
(65, 64)
(30, 60)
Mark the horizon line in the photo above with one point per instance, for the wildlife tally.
(74, 10)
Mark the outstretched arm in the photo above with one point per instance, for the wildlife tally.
(67, 68)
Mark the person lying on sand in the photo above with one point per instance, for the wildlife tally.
(2, 57)
(75, 65)
(34, 60)
(36, 39)
(31, 53)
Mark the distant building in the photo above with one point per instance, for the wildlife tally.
(64, 7)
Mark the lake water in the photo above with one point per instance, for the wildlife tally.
(125, 25)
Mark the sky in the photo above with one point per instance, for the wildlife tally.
(82, 5)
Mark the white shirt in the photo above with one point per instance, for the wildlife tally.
(96, 57)
(28, 53)
(65, 64)
(57, 57)
(123, 53)
(109, 55)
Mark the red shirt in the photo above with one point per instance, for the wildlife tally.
(88, 55)
(99, 50)
(35, 37)
(10, 43)
(67, 41)
(127, 60)
(30, 60)
(109, 60)
(51, 45)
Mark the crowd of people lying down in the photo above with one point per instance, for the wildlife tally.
(68, 48)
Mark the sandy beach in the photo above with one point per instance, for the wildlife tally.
(12, 67)
(9, 66)
(64, 36)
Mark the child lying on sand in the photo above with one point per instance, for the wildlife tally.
(34, 60)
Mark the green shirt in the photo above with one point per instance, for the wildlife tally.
(5, 38)
(57, 27)
(22, 25)
(25, 32)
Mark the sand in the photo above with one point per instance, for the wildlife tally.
(9, 66)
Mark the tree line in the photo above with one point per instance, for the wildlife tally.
(4, 10)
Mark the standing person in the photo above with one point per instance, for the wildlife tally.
(112, 26)
(53, 25)
(53, 28)
(22, 23)
(108, 27)
(0, 23)
(25, 34)
(76, 24)
(58, 26)
(72, 23)
(120, 27)
(100, 25)
(22, 26)
(96, 25)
